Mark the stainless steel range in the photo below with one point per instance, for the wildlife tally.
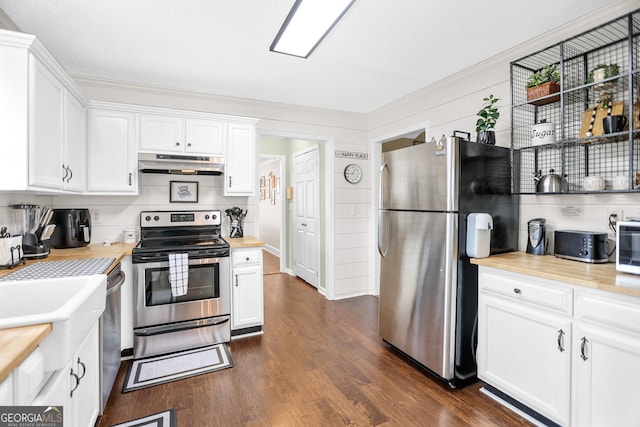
(165, 319)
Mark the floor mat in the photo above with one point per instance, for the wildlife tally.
(161, 419)
(175, 366)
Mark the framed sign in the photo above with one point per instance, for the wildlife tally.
(183, 191)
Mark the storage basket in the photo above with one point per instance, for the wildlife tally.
(10, 251)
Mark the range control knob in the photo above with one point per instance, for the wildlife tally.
(206, 216)
(147, 218)
(214, 216)
(584, 252)
(156, 218)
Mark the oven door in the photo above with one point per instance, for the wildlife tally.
(208, 293)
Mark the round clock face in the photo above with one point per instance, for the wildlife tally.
(353, 173)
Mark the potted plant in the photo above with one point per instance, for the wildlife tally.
(487, 118)
(543, 83)
(603, 72)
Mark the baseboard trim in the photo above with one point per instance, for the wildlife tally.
(524, 411)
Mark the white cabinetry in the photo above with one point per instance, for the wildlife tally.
(606, 360)
(175, 134)
(44, 119)
(240, 167)
(567, 352)
(247, 310)
(112, 158)
(524, 334)
(84, 395)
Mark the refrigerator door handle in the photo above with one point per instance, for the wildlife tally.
(383, 253)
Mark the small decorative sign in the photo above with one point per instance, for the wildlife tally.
(183, 191)
(352, 155)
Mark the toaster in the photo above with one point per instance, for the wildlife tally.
(585, 246)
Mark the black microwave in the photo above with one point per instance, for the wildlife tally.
(628, 247)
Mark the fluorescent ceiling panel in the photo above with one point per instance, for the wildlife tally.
(308, 22)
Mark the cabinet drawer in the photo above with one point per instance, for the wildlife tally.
(619, 311)
(541, 293)
(246, 257)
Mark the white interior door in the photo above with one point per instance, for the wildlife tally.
(306, 240)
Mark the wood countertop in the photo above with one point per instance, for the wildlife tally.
(244, 242)
(596, 276)
(17, 344)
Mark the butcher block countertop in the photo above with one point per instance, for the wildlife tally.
(596, 276)
(244, 242)
(17, 344)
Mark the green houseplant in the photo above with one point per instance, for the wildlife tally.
(487, 118)
(603, 72)
(543, 83)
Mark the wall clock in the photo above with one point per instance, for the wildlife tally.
(352, 173)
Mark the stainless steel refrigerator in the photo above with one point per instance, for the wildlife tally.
(428, 287)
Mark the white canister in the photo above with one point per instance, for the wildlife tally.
(129, 235)
(620, 182)
(543, 133)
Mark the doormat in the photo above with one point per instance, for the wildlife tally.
(156, 370)
(161, 419)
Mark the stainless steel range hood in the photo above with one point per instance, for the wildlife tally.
(180, 164)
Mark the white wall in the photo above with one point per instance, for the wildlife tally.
(271, 207)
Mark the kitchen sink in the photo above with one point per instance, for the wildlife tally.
(72, 305)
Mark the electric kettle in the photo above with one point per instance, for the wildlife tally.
(536, 241)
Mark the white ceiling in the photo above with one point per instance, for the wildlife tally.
(380, 51)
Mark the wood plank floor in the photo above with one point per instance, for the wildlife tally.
(319, 363)
(270, 263)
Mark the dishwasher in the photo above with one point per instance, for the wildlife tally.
(110, 335)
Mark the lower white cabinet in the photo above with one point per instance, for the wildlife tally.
(76, 388)
(523, 343)
(571, 354)
(606, 362)
(247, 309)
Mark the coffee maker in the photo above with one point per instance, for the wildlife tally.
(537, 239)
(32, 222)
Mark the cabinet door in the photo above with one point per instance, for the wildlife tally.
(75, 143)
(204, 136)
(85, 398)
(161, 133)
(240, 160)
(247, 297)
(606, 377)
(46, 104)
(111, 165)
(56, 394)
(525, 353)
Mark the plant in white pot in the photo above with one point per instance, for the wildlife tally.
(487, 118)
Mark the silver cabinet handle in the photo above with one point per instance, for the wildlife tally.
(66, 172)
(177, 144)
(516, 291)
(561, 340)
(229, 181)
(77, 383)
(236, 280)
(583, 348)
(130, 178)
(70, 174)
(189, 144)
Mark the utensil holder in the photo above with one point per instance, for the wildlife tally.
(11, 252)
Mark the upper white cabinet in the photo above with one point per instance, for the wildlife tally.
(240, 167)
(175, 134)
(112, 157)
(44, 119)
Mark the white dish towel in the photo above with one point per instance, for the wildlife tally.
(179, 274)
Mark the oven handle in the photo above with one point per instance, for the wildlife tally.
(142, 259)
(163, 329)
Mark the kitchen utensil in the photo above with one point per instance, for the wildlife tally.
(550, 183)
(47, 232)
(537, 240)
(593, 183)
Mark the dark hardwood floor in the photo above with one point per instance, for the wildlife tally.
(319, 363)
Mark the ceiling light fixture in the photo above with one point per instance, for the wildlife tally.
(308, 23)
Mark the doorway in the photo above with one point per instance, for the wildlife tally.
(286, 144)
